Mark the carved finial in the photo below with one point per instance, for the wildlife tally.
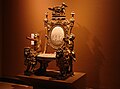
(72, 13)
(58, 10)
(46, 14)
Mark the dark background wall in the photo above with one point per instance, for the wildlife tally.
(97, 37)
(0, 36)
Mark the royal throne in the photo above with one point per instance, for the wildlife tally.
(59, 36)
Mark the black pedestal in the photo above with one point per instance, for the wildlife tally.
(78, 81)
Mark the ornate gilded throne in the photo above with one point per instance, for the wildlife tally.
(59, 36)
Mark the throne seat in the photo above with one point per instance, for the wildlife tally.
(46, 56)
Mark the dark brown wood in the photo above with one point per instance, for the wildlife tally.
(78, 81)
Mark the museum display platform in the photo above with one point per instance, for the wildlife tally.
(78, 81)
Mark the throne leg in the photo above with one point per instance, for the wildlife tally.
(42, 69)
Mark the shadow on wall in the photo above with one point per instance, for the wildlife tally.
(89, 55)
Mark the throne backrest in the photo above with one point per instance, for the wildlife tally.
(57, 28)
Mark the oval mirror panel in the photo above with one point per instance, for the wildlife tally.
(57, 36)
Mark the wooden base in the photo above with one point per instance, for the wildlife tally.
(78, 81)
